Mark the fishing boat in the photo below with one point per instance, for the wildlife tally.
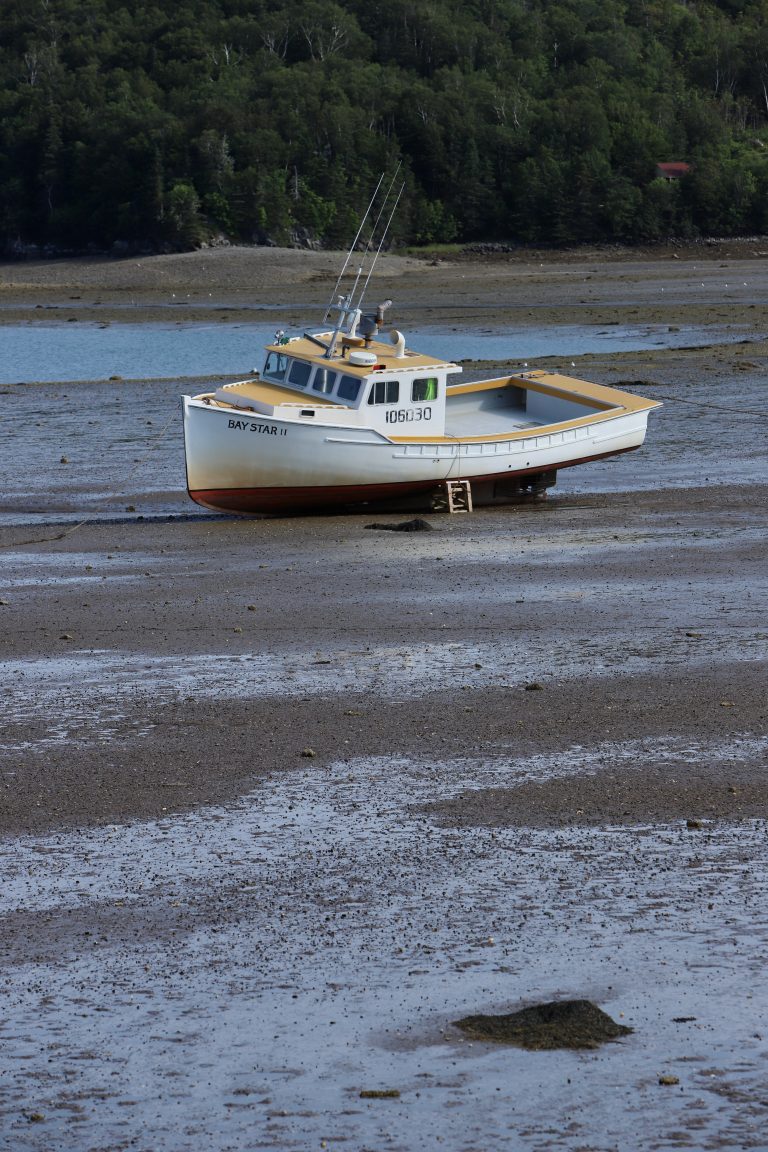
(349, 416)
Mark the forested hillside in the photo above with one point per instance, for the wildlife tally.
(158, 125)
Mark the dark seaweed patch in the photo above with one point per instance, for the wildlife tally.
(559, 1024)
(417, 525)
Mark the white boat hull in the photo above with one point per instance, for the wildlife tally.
(245, 462)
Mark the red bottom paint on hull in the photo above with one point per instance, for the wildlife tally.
(271, 500)
(296, 499)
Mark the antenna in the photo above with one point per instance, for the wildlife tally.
(383, 235)
(384, 203)
(354, 244)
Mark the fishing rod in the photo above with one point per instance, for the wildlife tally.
(351, 250)
(383, 235)
(344, 304)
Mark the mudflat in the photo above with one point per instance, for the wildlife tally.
(282, 798)
(712, 283)
(583, 620)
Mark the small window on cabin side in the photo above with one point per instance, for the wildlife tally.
(384, 392)
(324, 380)
(275, 366)
(424, 389)
(349, 389)
(299, 373)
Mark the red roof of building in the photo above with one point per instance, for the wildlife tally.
(674, 170)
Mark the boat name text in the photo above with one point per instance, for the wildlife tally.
(405, 415)
(249, 426)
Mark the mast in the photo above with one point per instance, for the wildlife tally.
(345, 305)
(383, 235)
(352, 248)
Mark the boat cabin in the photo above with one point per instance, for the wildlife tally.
(367, 383)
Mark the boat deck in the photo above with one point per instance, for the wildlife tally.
(487, 422)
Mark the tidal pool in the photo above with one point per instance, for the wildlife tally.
(62, 352)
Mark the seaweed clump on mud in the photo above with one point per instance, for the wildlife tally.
(559, 1024)
(417, 525)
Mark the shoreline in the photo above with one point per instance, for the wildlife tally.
(292, 286)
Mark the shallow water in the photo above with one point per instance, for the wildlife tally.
(60, 352)
(247, 971)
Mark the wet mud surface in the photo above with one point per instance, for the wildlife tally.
(283, 800)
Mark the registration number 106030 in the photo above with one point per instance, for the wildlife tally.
(407, 415)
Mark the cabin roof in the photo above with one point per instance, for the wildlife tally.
(274, 394)
(302, 348)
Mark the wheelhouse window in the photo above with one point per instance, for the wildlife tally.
(349, 389)
(299, 373)
(384, 392)
(275, 366)
(424, 389)
(324, 380)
